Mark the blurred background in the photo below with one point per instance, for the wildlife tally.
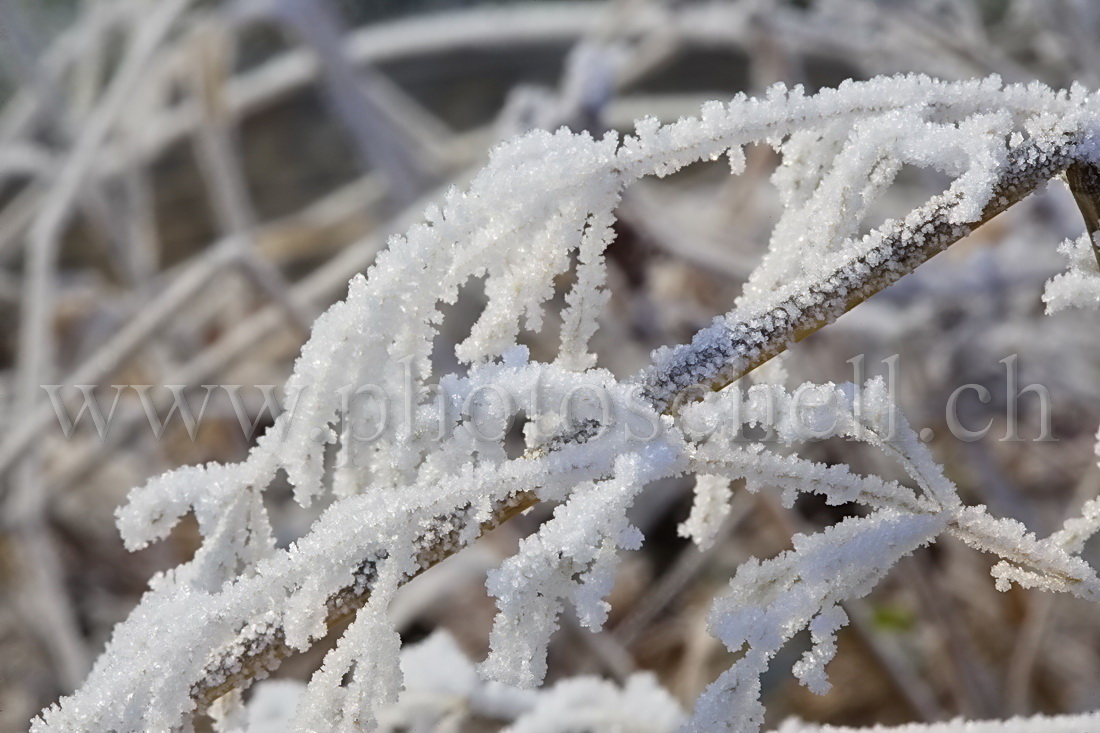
(186, 185)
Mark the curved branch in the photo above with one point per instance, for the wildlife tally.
(746, 338)
(716, 357)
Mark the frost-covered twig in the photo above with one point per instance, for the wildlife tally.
(416, 493)
(746, 338)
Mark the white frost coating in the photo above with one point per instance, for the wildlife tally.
(288, 590)
(442, 688)
(771, 601)
(1027, 560)
(804, 283)
(829, 184)
(271, 708)
(573, 556)
(443, 692)
(1079, 286)
(709, 510)
(427, 482)
(365, 651)
(1077, 530)
(814, 412)
(587, 297)
(592, 704)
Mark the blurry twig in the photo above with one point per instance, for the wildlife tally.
(1041, 608)
(355, 98)
(687, 567)
(181, 287)
(220, 163)
(45, 231)
(972, 686)
(315, 290)
(27, 504)
(905, 681)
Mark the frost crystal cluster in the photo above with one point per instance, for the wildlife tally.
(403, 493)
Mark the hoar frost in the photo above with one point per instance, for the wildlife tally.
(543, 206)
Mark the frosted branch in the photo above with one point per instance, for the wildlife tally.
(399, 503)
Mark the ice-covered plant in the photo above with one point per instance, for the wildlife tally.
(414, 465)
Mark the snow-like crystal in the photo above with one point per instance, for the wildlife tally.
(424, 485)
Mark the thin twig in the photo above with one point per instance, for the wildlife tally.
(317, 289)
(1084, 183)
(723, 353)
(35, 359)
(378, 137)
(221, 166)
(738, 349)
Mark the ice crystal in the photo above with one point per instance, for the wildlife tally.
(1079, 286)
(423, 486)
